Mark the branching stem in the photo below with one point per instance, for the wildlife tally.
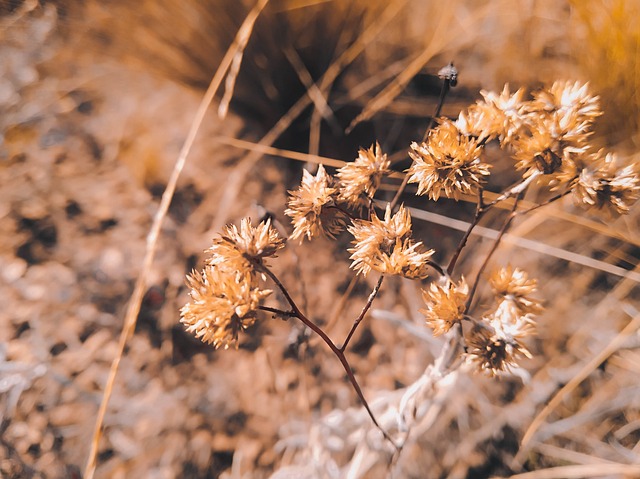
(496, 243)
(372, 296)
(480, 211)
(446, 86)
(295, 312)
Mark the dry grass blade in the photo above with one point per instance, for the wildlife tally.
(588, 368)
(136, 298)
(439, 39)
(237, 178)
(528, 244)
(262, 148)
(581, 471)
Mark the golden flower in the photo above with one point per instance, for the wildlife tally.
(386, 246)
(447, 163)
(312, 207)
(222, 304)
(363, 176)
(472, 123)
(234, 247)
(566, 97)
(495, 345)
(446, 305)
(514, 286)
(552, 146)
(500, 115)
(606, 186)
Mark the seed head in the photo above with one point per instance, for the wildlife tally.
(386, 246)
(565, 98)
(500, 114)
(445, 305)
(447, 163)
(607, 186)
(222, 304)
(312, 207)
(514, 286)
(363, 176)
(494, 345)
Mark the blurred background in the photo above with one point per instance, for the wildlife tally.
(96, 99)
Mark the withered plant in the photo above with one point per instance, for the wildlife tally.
(545, 134)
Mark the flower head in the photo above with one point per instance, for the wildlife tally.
(606, 186)
(447, 163)
(386, 246)
(494, 345)
(500, 114)
(566, 97)
(222, 304)
(363, 176)
(553, 145)
(446, 305)
(514, 286)
(312, 207)
(234, 249)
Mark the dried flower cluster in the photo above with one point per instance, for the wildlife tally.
(495, 342)
(447, 163)
(386, 246)
(361, 179)
(319, 207)
(547, 138)
(445, 305)
(226, 294)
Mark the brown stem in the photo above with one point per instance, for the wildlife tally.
(372, 296)
(295, 312)
(443, 94)
(480, 211)
(438, 268)
(503, 230)
(516, 189)
(544, 203)
(398, 194)
(279, 312)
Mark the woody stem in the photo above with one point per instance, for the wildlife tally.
(295, 312)
(372, 296)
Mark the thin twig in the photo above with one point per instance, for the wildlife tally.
(516, 189)
(401, 189)
(480, 211)
(443, 94)
(446, 86)
(334, 349)
(136, 298)
(496, 243)
(372, 296)
(279, 312)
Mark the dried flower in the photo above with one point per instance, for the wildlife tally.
(386, 246)
(500, 115)
(312, 207)
(222, 304)
(445, 305)
(606, 186)
(447, 163)
(494, 345)
(233, 249)
(553, 145)
(363, 176)
(514, 286)
(565, 97)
